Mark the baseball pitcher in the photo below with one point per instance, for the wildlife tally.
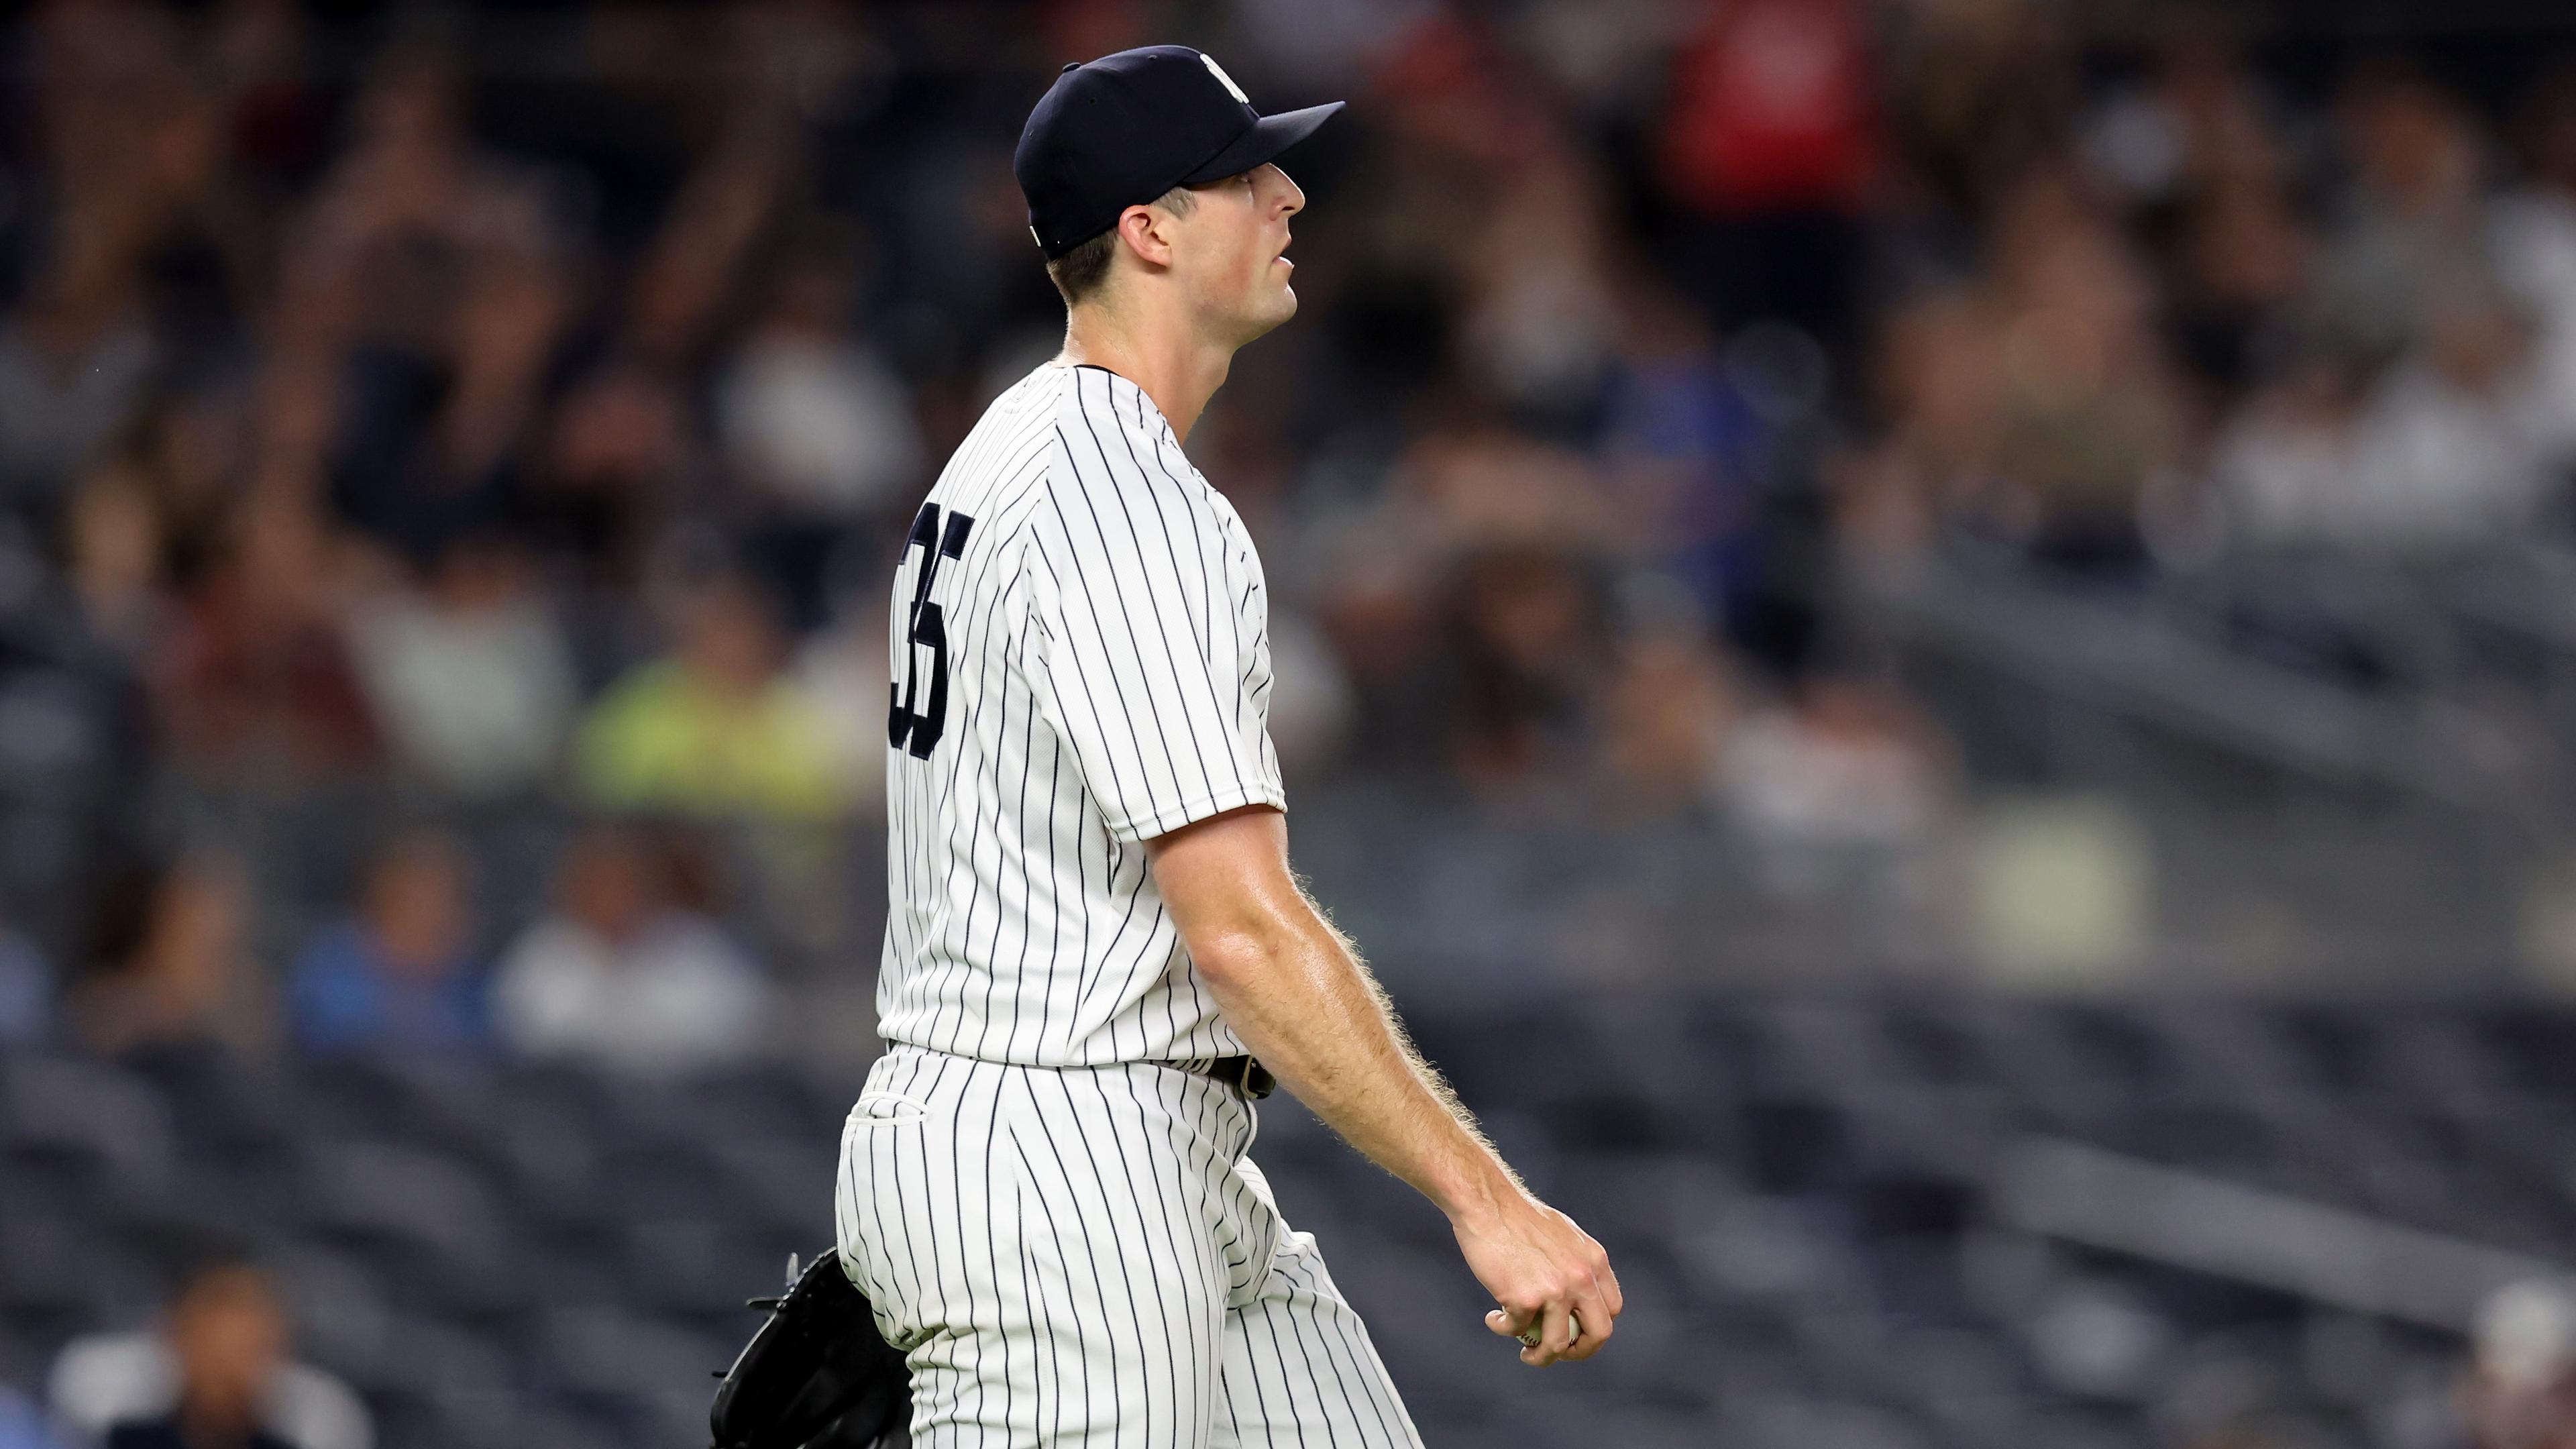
(1097, 958)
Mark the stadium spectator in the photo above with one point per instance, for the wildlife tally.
(167, 967)
(609, 465)
(471, 674)
(2412, 219)
(2444, 460)
(818, 429)
(1664, 727)
(1975, 95)
(1527, 638)
(436, 410)
(216, 1375)
(621, 449)
(228, 1335)
(402, 972)
(2197, 121)
(2533, 232)
(625, 970)
(1379, 615)
(2198, 153)
(2520, 1391)
(842, 667)
(412, 179)
(22, 1424)
(1541, 317)
(258, 686)
(75, 362)
(1838, 784)
(2087, 415)
(116, 555)
(2239, 277)
(1769, 146)
(717, 726)
(2282, 467)
(445, 308)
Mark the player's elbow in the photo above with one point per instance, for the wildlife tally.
(1243, 949)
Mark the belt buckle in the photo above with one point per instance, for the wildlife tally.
(1254, 1080)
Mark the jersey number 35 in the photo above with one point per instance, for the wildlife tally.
(908, 728)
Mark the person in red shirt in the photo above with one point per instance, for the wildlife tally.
(1769, 146)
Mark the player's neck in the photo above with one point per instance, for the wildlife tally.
(1177, 369)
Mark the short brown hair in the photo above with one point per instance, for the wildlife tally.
(1079, 273)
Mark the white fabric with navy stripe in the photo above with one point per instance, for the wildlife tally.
(1055, 1219)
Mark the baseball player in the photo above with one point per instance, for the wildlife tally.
(1097, 957)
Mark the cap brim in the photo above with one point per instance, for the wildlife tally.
(1268, 137)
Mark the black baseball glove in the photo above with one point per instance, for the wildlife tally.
(817, 1375)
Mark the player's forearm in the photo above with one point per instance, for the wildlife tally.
(1305, 1005)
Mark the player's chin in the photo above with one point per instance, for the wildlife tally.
(1268, 311)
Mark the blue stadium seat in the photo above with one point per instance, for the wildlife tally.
(1794, 1191)
(424, 1221)
(86, 1124)
(621, 1368)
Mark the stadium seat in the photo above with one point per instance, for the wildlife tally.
(1794, 1191)
(86, 1124)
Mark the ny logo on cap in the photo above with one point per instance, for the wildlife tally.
(1223, 79)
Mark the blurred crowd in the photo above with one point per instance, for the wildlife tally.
(445, 456)
(450, 461)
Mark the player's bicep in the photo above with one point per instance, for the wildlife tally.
(1226, 883)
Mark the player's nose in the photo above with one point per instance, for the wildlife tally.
(1290, 199)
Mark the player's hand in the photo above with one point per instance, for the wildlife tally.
(1546, 1273)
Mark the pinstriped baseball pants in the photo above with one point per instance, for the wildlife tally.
(1086, 1256)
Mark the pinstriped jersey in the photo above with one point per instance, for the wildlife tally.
(1081, 662)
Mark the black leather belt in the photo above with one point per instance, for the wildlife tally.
(1245, 1074)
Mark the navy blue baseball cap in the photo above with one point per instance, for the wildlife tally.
(1121, 130)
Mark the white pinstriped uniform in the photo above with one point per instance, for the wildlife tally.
(1058, 1222)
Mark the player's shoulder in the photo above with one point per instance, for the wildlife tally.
(1113, 442)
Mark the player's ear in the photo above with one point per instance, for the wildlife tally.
(1147, 230)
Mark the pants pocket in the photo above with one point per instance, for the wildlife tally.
(883, 1159)
(885, 1107)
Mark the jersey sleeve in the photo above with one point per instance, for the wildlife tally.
(1145, 607)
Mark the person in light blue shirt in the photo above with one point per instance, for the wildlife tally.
(402, 972)
(22, 1424)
